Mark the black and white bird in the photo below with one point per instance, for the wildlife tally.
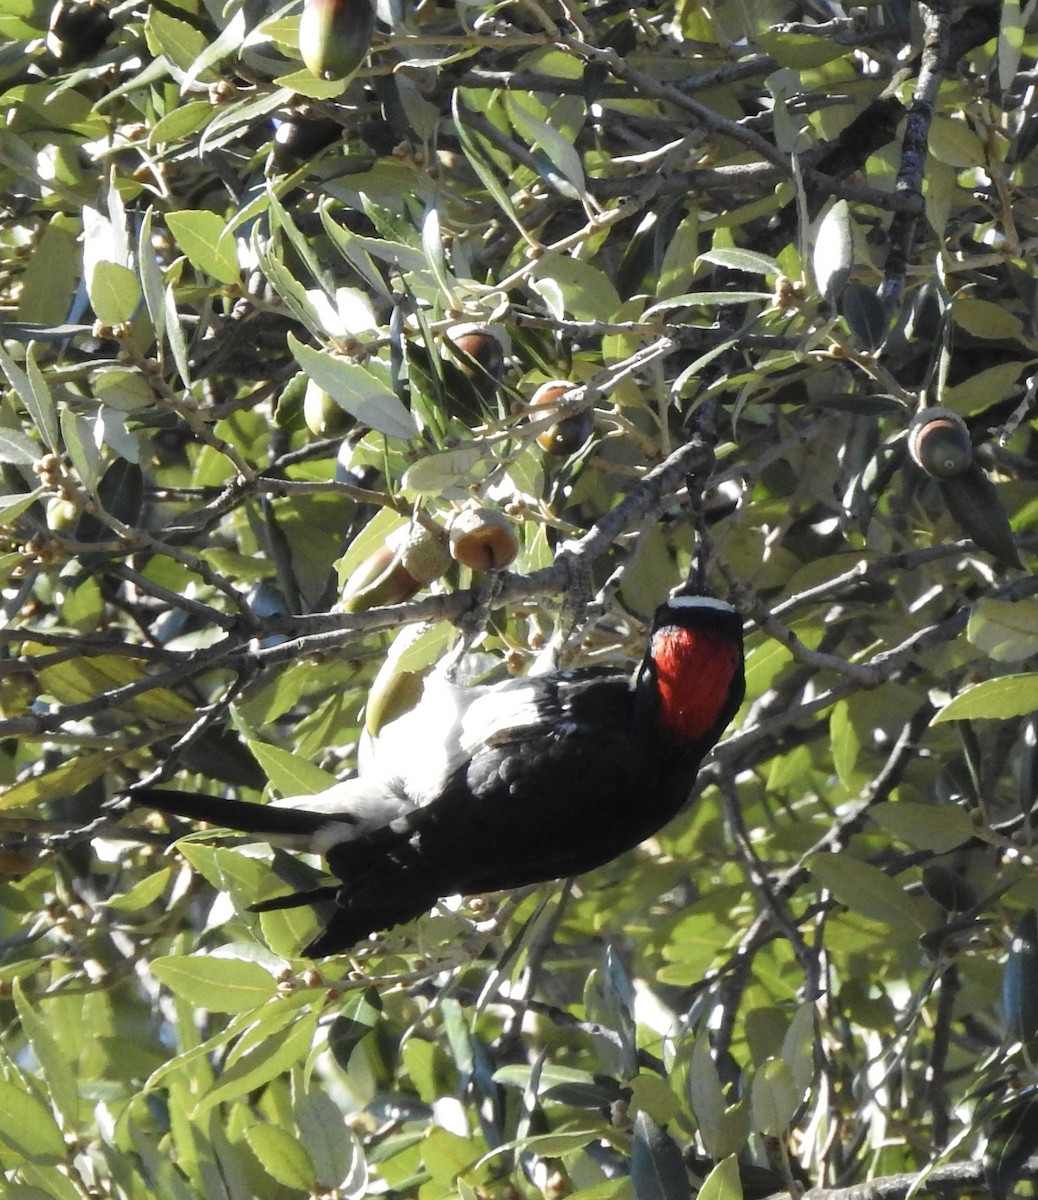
(480, 789)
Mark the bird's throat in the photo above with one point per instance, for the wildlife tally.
(695, 670)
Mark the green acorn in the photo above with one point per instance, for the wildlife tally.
(409, 559)
(324, 418)
(335, 36)
(939, 442)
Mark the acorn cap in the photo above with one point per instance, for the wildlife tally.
(424, 553)
(939, 442)
(483, 539)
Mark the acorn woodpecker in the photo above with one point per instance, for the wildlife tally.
(479, 789)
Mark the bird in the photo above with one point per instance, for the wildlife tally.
(497, 786)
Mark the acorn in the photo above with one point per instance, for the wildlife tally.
(939, 442)
(335, 36)
(78, 31)
(298, 137)
(391, 695)
(485, 345)
(409, 559)
(482, 539)
(324, 418)
(567, 435)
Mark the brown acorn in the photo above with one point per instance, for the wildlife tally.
(485, 345)
(567, 435)
(407, 560)
(335, 36)
(939, 443)
(482, 539)
(298, 137)
(78, 31)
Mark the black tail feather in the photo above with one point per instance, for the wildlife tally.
(296, 899)
(346, 927)
(263, 819)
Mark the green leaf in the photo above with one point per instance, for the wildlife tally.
(227, 985)
(200, 234)
(939, 828)
(476, 152)
(1012, 1139)
(993, 699)
(742, 260)
(356, 389)
(359, 1015)
(447, 1154)
(114, 292)
(800, 51)
(282, 1156)
(40, 402)
(435, 474)
(432, 244)
(94, 677)
(271, 1057)
(798, 1047)
(1020, 980)
(985, 319)
(559, 150)
(984, 388)
(952, 141)
(69, 776)
(1005, 630)
(290, 774)
(654, 1096)
(54, 1059)
(144, 892)
(82, 449)
(16, 447)
(832, 254)
(1011, 34)
(774, 1098)
(181, 123)
(12, 507)
(27, 1127)
(333, 1148)
(657, 1168)
(706, 1099)
(691, 299)
(43, 414)
(976, 507)
(723, 1182)
(863, 312)
(864, 889)
(178, 41)
(586, 292)
(845, 741)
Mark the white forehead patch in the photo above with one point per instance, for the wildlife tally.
(700, 602)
